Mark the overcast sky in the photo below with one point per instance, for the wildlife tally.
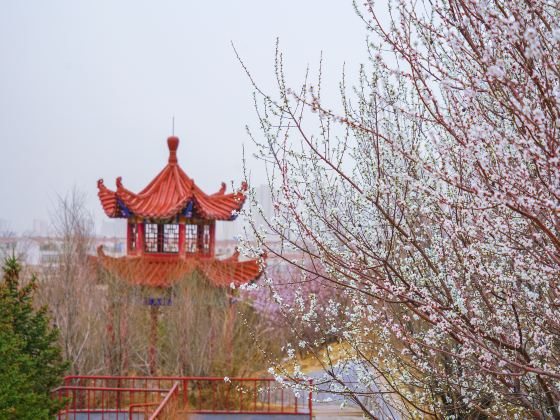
(88, 88)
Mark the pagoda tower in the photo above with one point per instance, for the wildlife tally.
(171, 234)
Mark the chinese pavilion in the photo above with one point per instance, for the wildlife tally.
(171, 233)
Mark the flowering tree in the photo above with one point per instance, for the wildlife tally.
(290, 292)
(431, 201)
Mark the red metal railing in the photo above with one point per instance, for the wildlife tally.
(239, 395)
(144, 409)
(169, 406)
(81, 401)
(148, 394)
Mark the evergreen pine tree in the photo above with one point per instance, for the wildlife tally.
(31, 364)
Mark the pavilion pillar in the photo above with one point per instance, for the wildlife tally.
(181, 237)
(112, 339)
(140, 241)
(152, 351)
(124, 342)
(212, 238)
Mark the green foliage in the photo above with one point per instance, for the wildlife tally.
(31, 364)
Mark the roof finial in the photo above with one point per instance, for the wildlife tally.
(173, 125)
(173, 144)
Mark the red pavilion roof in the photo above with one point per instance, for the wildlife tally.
(171, 193)
(161, 271)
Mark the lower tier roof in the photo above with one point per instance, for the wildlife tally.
(162, 271)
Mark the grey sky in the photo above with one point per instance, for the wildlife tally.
(88, 88)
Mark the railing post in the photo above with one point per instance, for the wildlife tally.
(310, 399)
(118, 399)
(240, 398)
(199, 395)
(67, 402)
(214, 395)
(227, 396)
(268, 388)
(255, 397)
